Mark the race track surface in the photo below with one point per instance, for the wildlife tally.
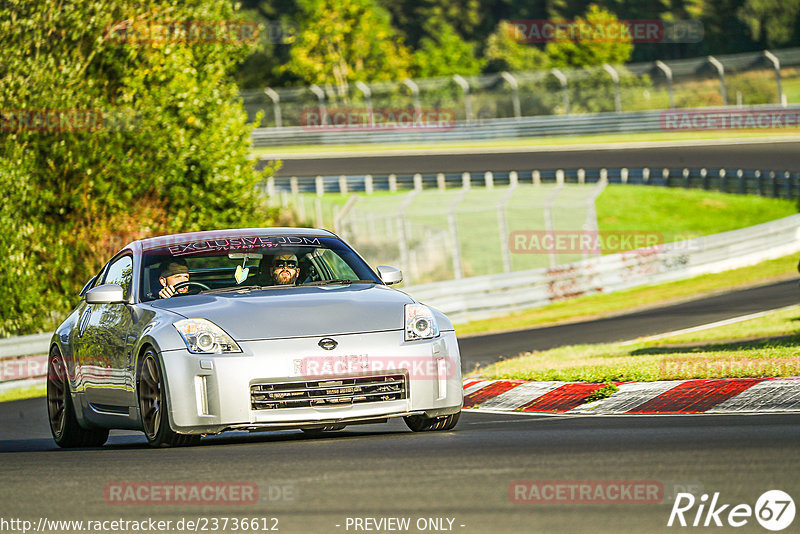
(384, 471)
(470, 476)
(464, 481)
(481, 350)
(777, 156)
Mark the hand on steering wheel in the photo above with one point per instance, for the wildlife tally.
(169, 291)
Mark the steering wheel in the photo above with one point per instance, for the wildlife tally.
(179, 285)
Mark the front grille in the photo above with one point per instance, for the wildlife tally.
(333, 392)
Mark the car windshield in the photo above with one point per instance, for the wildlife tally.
(250, 262)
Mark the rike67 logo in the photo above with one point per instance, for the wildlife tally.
(774, 510)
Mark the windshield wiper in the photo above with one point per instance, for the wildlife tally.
(230, 289)
(338, 281)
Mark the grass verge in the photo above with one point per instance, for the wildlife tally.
(604, 305)
(762, 347)
(26, 393)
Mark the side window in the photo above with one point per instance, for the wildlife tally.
(338, 266)
(121, 273)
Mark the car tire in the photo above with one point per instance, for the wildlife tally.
(64, 426)
(151, 394)
(421, 423)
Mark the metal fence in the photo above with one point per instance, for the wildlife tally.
(554, 125)
(309, 114)
(496, 295)
(289, 191)
(452, 234)
(453, 226)
(23, 361)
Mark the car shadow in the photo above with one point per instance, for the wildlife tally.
(699, 348)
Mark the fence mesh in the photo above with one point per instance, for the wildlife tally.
(446, 234)
(747, 79)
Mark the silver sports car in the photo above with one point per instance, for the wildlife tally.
(253, 329)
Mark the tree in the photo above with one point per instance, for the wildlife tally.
(118, 124)
(262, 66)
(504, 53)
(445, 55)
(725, 33)
(419, 19)
(341, 41)
(771, 22)
(582, 53)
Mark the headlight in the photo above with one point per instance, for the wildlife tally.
(204, 337)
(420, 323)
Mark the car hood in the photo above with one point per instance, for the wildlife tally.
(296, 311)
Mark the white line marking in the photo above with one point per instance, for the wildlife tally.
(627, 397)
(480, 385)
(520, 395)
(702, 327)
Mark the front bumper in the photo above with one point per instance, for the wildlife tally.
(208, 394)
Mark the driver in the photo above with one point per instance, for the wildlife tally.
(173, 271)
(284, 269)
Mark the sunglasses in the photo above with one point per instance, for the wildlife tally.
(289, 264)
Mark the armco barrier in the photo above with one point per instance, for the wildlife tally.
(23, 361)
(488, 296)
(631, 122)
(768, 183)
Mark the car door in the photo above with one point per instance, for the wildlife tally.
(103, 357)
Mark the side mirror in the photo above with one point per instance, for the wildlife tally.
(390, 275)
(105, 294)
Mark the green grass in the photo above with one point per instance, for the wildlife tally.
(604, 305)
(791, 88)
(762, 347)
(672, 214)
(25, 393)
(533, 142)
(684, 213)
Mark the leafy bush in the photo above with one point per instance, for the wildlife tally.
(153, 141)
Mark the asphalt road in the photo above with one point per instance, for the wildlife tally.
(311, 485)
(383, 471)
(482, 350)
(776, 156)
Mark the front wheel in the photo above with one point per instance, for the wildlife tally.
(421, 423)
(64, 426)
(153, 406)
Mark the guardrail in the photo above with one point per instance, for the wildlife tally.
(23, 361)
(770, 183)
(488, 296)
(523, 127)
